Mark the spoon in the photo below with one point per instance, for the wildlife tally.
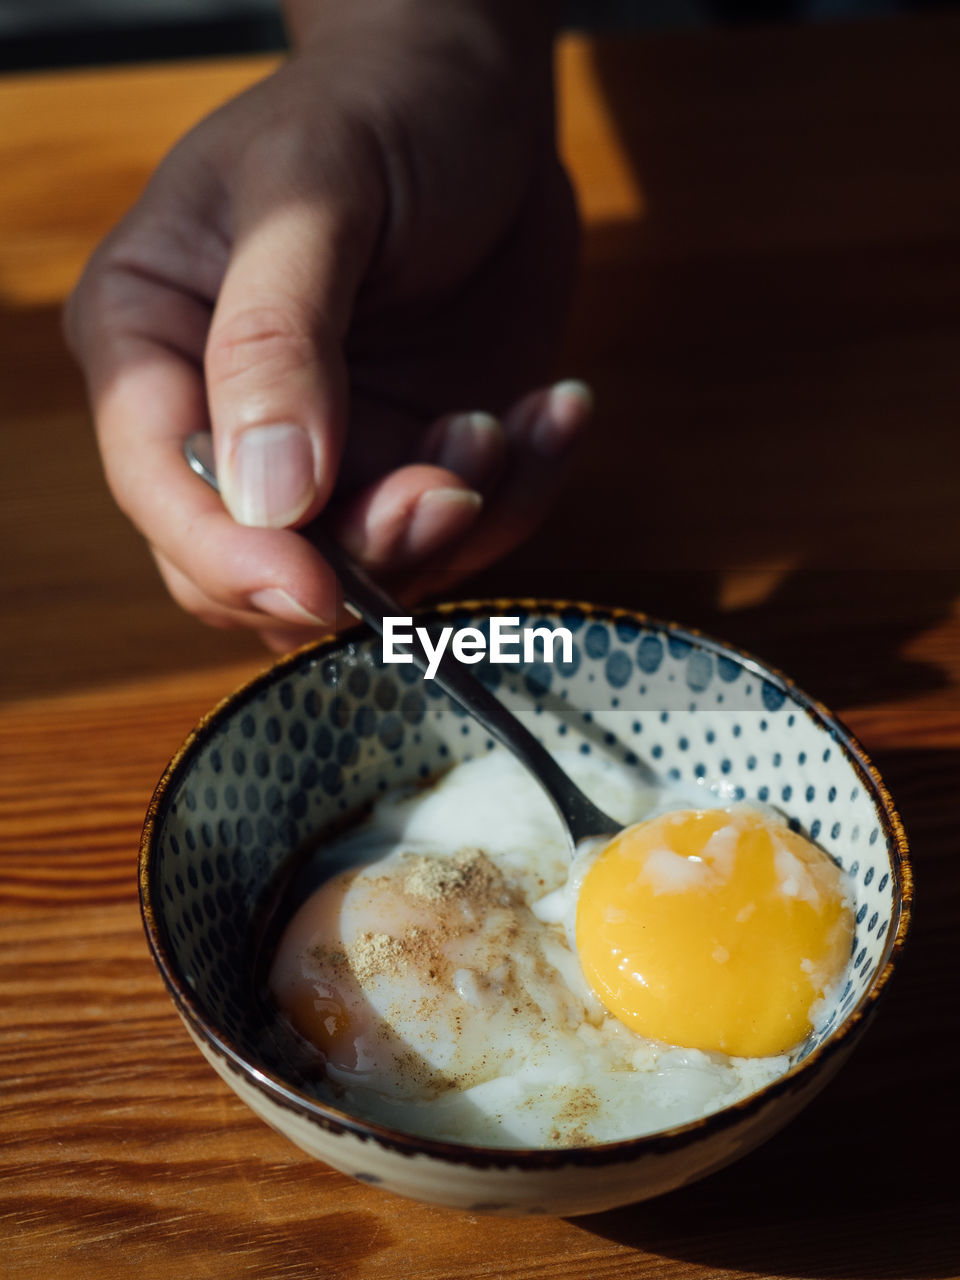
(580, 816)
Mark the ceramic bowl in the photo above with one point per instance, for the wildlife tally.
(328, 728)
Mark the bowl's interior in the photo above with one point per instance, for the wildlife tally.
(325, 732)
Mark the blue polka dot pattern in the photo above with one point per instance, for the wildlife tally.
(699, 670)
(650, 654)
(328, 733)
(597, 641)
(618, 669)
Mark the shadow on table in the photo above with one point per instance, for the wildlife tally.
(774, 348)
(872, 1161)
(105, 615)
(843, 635)
(774, 345)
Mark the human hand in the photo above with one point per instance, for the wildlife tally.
(377, 233)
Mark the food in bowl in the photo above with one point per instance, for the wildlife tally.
(446, 977)
(723, 930)
(325, 732)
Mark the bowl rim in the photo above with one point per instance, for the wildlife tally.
(330, 1118)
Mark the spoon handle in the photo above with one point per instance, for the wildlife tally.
(579, 815)
(577, 812)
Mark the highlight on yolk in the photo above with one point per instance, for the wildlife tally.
(716, 930)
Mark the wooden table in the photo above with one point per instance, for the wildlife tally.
(770, 311)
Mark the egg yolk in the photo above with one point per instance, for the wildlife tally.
(715, 930)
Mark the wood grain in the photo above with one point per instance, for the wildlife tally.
(768, 308)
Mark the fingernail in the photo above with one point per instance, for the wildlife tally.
(567, 407)
(468, 444)
(440, 514)
(269, 479)
(279, 604)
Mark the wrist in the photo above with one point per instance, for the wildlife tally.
(522, 28)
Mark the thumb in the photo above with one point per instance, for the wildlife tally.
(275, 369)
